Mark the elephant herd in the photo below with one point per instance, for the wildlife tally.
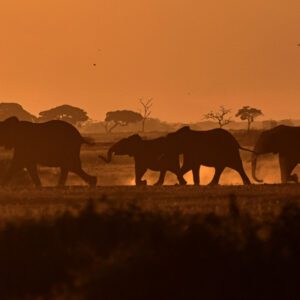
(214, 148)
(57, 144)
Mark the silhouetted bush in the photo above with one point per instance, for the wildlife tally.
(108, 252)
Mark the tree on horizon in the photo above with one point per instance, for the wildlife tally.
(221, 116)
(249, 114)
(71, 114)
(120, 118)
(146, 111)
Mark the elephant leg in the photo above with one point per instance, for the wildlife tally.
(77, 169)
(216, 178)
(13, 169)
(244, 176)
(180, 178)
(32, 170)
(161, 177)
(290, 167)
(184, 169)
(139, 173)
(179, 175)
(91, 180)
(240, 169)
(283, 168)
(286, 167)
(176, 170)
(63, 177)
(196, 175)
(294, 177)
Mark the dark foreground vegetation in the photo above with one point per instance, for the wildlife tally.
(123, 252)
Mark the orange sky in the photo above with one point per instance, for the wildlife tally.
(189, 55)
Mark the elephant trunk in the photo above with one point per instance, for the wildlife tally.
(109, 155)
(260, 148)
(254, 164)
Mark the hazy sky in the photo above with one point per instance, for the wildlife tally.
(189, 55)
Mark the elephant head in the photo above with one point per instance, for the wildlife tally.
(8, 132)
(127, 146)
(270, 141)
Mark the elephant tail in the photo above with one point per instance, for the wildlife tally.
(88, 141)
(246, 149)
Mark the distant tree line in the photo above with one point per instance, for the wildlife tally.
(77, 116)
(134, 121)
(74, 115)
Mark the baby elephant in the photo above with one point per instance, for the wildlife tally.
(148, 154)
(52, 144)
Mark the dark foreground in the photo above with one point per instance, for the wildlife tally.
(18, 203)
(150, 243)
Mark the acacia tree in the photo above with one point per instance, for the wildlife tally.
(67, 113)
(120, 118)
(146, 111)
(221, 116)
(249, 114)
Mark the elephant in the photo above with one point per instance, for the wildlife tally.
(147, 154)
(213, 148)
(52, 144)
(284, 141)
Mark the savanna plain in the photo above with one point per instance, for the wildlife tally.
(119, 241)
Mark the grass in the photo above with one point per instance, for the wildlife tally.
(260, 201)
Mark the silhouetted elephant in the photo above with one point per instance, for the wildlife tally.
(53, 144)
(213, 148)
(147, 155)
(284, 140)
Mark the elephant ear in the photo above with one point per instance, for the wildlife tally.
(8, 132)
